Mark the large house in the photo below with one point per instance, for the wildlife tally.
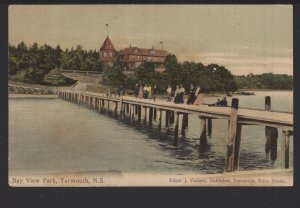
(132, 57)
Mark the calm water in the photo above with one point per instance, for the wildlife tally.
(54, 136)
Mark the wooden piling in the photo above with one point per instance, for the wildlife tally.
(159, 119)
(271, 135)
(286, 147)
(115, 109)
(209, 127)
(234, 137)
(176, 119)
(203, 144)
(172, 117)
(237, 147)
(167, 118)
(150, 116)
(107, 107)
(132, 115)
(145, 115)
(139, 113)
(154, 114)
(183, 124)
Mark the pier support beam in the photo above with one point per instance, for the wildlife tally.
(107, 107)
(286, 147)
(115, 109)
(145, 115)
(209, 127)
(139, 113)
(271, 135)
(150, 116)
(159, 119)
(234, 138)
(132, 115)
(203, 145)
(167, 118)
(155, 114)
(176, 119)
(184, 124)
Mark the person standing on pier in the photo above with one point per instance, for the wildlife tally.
(145, 89)
(181, 93)
(169, 92)
(199, 96)
(192, 96)
(141, 92)
(149, 91)
(136, 90)
(177, 95)
(120, 90)
(155, 92)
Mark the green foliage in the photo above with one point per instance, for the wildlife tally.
(55, 77)
(265, 81)
(113, 76)
(32, 64)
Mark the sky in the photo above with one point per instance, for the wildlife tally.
(243, 38)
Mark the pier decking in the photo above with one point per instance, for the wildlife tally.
(132, 108)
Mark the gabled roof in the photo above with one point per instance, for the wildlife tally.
(144, 52)
(107, 45)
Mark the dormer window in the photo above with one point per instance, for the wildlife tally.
(152, 52)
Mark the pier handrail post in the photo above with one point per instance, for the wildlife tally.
(234, 138)
(271, 135)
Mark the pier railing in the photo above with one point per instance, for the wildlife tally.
(131, 108)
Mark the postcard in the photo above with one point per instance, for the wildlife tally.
(150, 95)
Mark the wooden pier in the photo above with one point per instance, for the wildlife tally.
(131, 108)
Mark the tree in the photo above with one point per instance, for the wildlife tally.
(55, 77)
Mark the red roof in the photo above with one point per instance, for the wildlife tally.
(144, 52)
(107, 45)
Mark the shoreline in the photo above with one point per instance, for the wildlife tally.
(16, 96)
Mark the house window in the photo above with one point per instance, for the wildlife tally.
(110, 54)
(104, 54)
(149, 58)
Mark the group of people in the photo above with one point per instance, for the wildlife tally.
(146, 91)
(176, 94)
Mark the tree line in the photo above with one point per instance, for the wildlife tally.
(265, 81)
(210, 78)
(43, 64)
